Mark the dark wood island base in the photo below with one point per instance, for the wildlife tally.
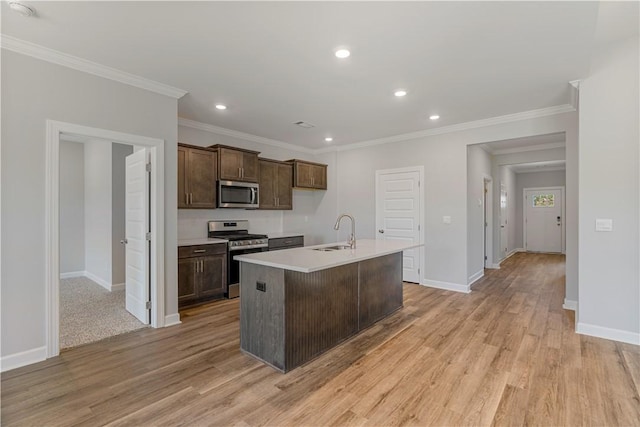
(288, 318)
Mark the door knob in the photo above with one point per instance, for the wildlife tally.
(381, 231)
(124, 242)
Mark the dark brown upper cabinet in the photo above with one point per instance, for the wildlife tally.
(309, 175)
(197, 174)
(275, 185)
(237, 164)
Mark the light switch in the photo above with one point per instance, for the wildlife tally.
(446, 219)
(604, 225)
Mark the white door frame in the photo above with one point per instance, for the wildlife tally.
(420, 170)
(52, 221)
(563, 226)
(487, 214)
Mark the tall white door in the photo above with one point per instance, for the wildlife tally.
(504, 213)
(398, 215)
(543, 220)
(136, 229)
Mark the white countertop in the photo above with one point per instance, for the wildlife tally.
(280, 234)
(200, 241)
(306, 260)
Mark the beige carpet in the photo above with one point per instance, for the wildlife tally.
(88, 313)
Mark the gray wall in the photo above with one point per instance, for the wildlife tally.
(32, 92)
(71, 207)
(98, 211)
(118, 168)
(609, 300)
(478, 167)
(533, 180)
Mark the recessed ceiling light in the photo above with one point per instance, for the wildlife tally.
(342, 53)
(400, 92)
(22, 8)
(221, 106)
(328, 139)
(434, 117)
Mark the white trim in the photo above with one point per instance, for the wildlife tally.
(117, 287)
(448, 286)
(563, 214)
(241, 135)
(24, 358)
(475, 277)
(172, 320)
(99, 280)
(570, 304)
(524, 115)
(608, 333)
(494, 266)
(549, 146)
(421, 213)
(52, 238)
(487, 218)
(56, 57)
(72, 274)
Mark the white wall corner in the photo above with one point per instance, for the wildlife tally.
(475, 277)
(24, 358)
(447, 286)
(98, 280)
(608, 333)
(172, 320)
(570, 305)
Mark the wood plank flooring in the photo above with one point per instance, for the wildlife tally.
(505, 354)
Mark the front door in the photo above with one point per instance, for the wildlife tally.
(543, 220)
(136, 229)
(398, 215)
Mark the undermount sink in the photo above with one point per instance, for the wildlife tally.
(332, 248)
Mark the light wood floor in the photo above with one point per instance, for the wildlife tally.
(506, 354)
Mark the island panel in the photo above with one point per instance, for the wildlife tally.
(380, 288)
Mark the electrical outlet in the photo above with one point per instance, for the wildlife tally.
(261, 286)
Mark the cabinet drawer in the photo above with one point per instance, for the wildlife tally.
(286, 242)
(201, 250)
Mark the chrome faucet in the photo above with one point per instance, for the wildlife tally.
(352, 236)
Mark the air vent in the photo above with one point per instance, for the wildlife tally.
(305, 125)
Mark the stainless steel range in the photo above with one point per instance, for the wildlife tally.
(240, 243)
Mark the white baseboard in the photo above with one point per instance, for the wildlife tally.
(172, 319)
(98, 280)
(24, 358)
(456, 287)
(494, 266)
(117, 287)
(608, 333)
(570, 305)
(475, 277)
(72, 274)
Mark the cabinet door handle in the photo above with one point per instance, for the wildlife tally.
(199, 251)
(202, 266)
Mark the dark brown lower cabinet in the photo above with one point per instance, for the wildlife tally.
(202, 274)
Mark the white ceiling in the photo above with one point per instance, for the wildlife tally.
(272, 63)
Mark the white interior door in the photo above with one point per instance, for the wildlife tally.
(398, 215)
(136, 229)
(503, 221)
(543, 220)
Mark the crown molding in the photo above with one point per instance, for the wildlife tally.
(532, 114)
(241, 135)
(56, 57)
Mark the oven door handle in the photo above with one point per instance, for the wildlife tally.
(254, 194)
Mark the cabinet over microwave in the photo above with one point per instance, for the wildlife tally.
(236, 194)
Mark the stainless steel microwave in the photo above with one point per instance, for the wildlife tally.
(235, 194)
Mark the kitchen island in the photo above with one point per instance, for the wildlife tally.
(297, 303)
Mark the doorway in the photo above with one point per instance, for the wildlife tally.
(399, 212)
(56, 131)
(544, 219)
